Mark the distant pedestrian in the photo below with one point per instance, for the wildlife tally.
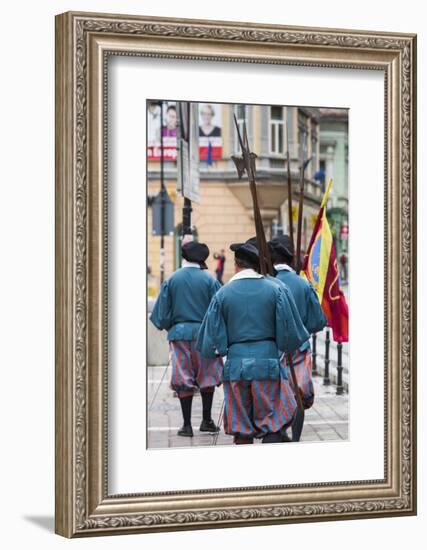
(343, 263)
(180, 307)
(249, 320)
(219, 271)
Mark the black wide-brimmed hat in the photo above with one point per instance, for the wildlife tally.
(253, 242)
(195, 252)
(246, 251)
(281, 246)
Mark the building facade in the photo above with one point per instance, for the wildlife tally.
(334, 164)
(224, 213)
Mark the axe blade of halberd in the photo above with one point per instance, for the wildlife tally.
(240, 165)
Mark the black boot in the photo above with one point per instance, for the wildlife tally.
(298, 424)
(186, 430)
(207, 425)
(285, 437)
(241, 440)
(272, 437)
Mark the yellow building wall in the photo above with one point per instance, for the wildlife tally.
(220, 219)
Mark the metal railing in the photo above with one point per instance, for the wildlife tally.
(321, 362)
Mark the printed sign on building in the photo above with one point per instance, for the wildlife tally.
(210, 131)
(168, 127)
(209, 128)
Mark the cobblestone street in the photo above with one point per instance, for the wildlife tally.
(327, 420)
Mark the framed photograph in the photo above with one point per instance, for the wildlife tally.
(235, 274)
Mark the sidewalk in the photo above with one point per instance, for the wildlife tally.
(327, 420)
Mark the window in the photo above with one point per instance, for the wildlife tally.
(276, 130)
(240, 112)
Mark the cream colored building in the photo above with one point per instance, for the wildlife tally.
(224, 214)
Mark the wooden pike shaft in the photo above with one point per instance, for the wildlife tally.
(264, 256)
(266, 265)
(259, 228)
(294, 380)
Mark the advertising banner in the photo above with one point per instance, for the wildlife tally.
(209, 130)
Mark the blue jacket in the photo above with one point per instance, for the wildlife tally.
(306, 301)
(182, 302)
(250, 320)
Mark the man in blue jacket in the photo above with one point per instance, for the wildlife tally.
(249, 320)
(311, 314)
(180, 307)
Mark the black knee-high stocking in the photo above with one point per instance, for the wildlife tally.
(207, 398)
(186, 409)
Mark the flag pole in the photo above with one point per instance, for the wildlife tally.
(326, 194)
(322, 206)
(326, 281)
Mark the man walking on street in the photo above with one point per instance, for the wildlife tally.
(311, 315)
(343, 262)
(219, 271)
(249, 320)
(180, 307)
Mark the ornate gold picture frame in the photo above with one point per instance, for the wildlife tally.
(84, 42)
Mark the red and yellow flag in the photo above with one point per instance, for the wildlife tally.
(321, 269)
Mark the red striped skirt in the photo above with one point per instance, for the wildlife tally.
(257, 407)
(190, 370)
(302, 365)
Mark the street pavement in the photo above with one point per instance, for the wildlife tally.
(327, 420)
